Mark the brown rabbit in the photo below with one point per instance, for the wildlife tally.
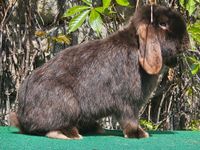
(112, 76)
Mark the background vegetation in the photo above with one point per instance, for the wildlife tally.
(33, 31)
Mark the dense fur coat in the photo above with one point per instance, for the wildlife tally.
(112, 76)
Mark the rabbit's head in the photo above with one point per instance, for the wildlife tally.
(161, 39)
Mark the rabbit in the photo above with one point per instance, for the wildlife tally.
(108, 77)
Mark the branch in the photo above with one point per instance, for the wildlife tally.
(7, 14)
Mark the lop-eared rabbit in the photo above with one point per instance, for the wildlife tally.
(108, 77)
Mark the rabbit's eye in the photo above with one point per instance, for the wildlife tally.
(163, 25)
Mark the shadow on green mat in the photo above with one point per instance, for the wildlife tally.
(110, 140)
(118, 133)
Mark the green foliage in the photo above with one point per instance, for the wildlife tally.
(106, 3)
(78, 20)
(74, 10)
(148, 125)
(194, 31)
(95, 21)
(123, 2)
(189, 5)
(88, 2)
(194, 64)
(81, 13)
(194, 125)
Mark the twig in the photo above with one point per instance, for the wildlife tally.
(171, 3)
(149, 111)
(194, 51)
(161, 103)
(137, 4)
(7, 14)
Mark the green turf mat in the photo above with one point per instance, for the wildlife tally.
(111, 140)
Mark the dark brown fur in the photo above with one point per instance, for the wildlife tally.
(89, 81)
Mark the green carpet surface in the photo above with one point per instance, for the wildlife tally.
(111, 140)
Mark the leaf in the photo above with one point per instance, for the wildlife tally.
(195, 69)
(40, 33)
(104, 11)
(62, 39)
(192, 59)
(189, 93)
(182, 2)
(194, 125)
(194, 64)
(194, 31)
(148, 125)
(123, 2)
(76, 9)
(100, 9)
(95, 21)
(191, 6)
(78, 20)
(106, 3)
(88, 2)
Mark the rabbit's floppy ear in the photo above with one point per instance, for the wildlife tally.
(150, 57)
